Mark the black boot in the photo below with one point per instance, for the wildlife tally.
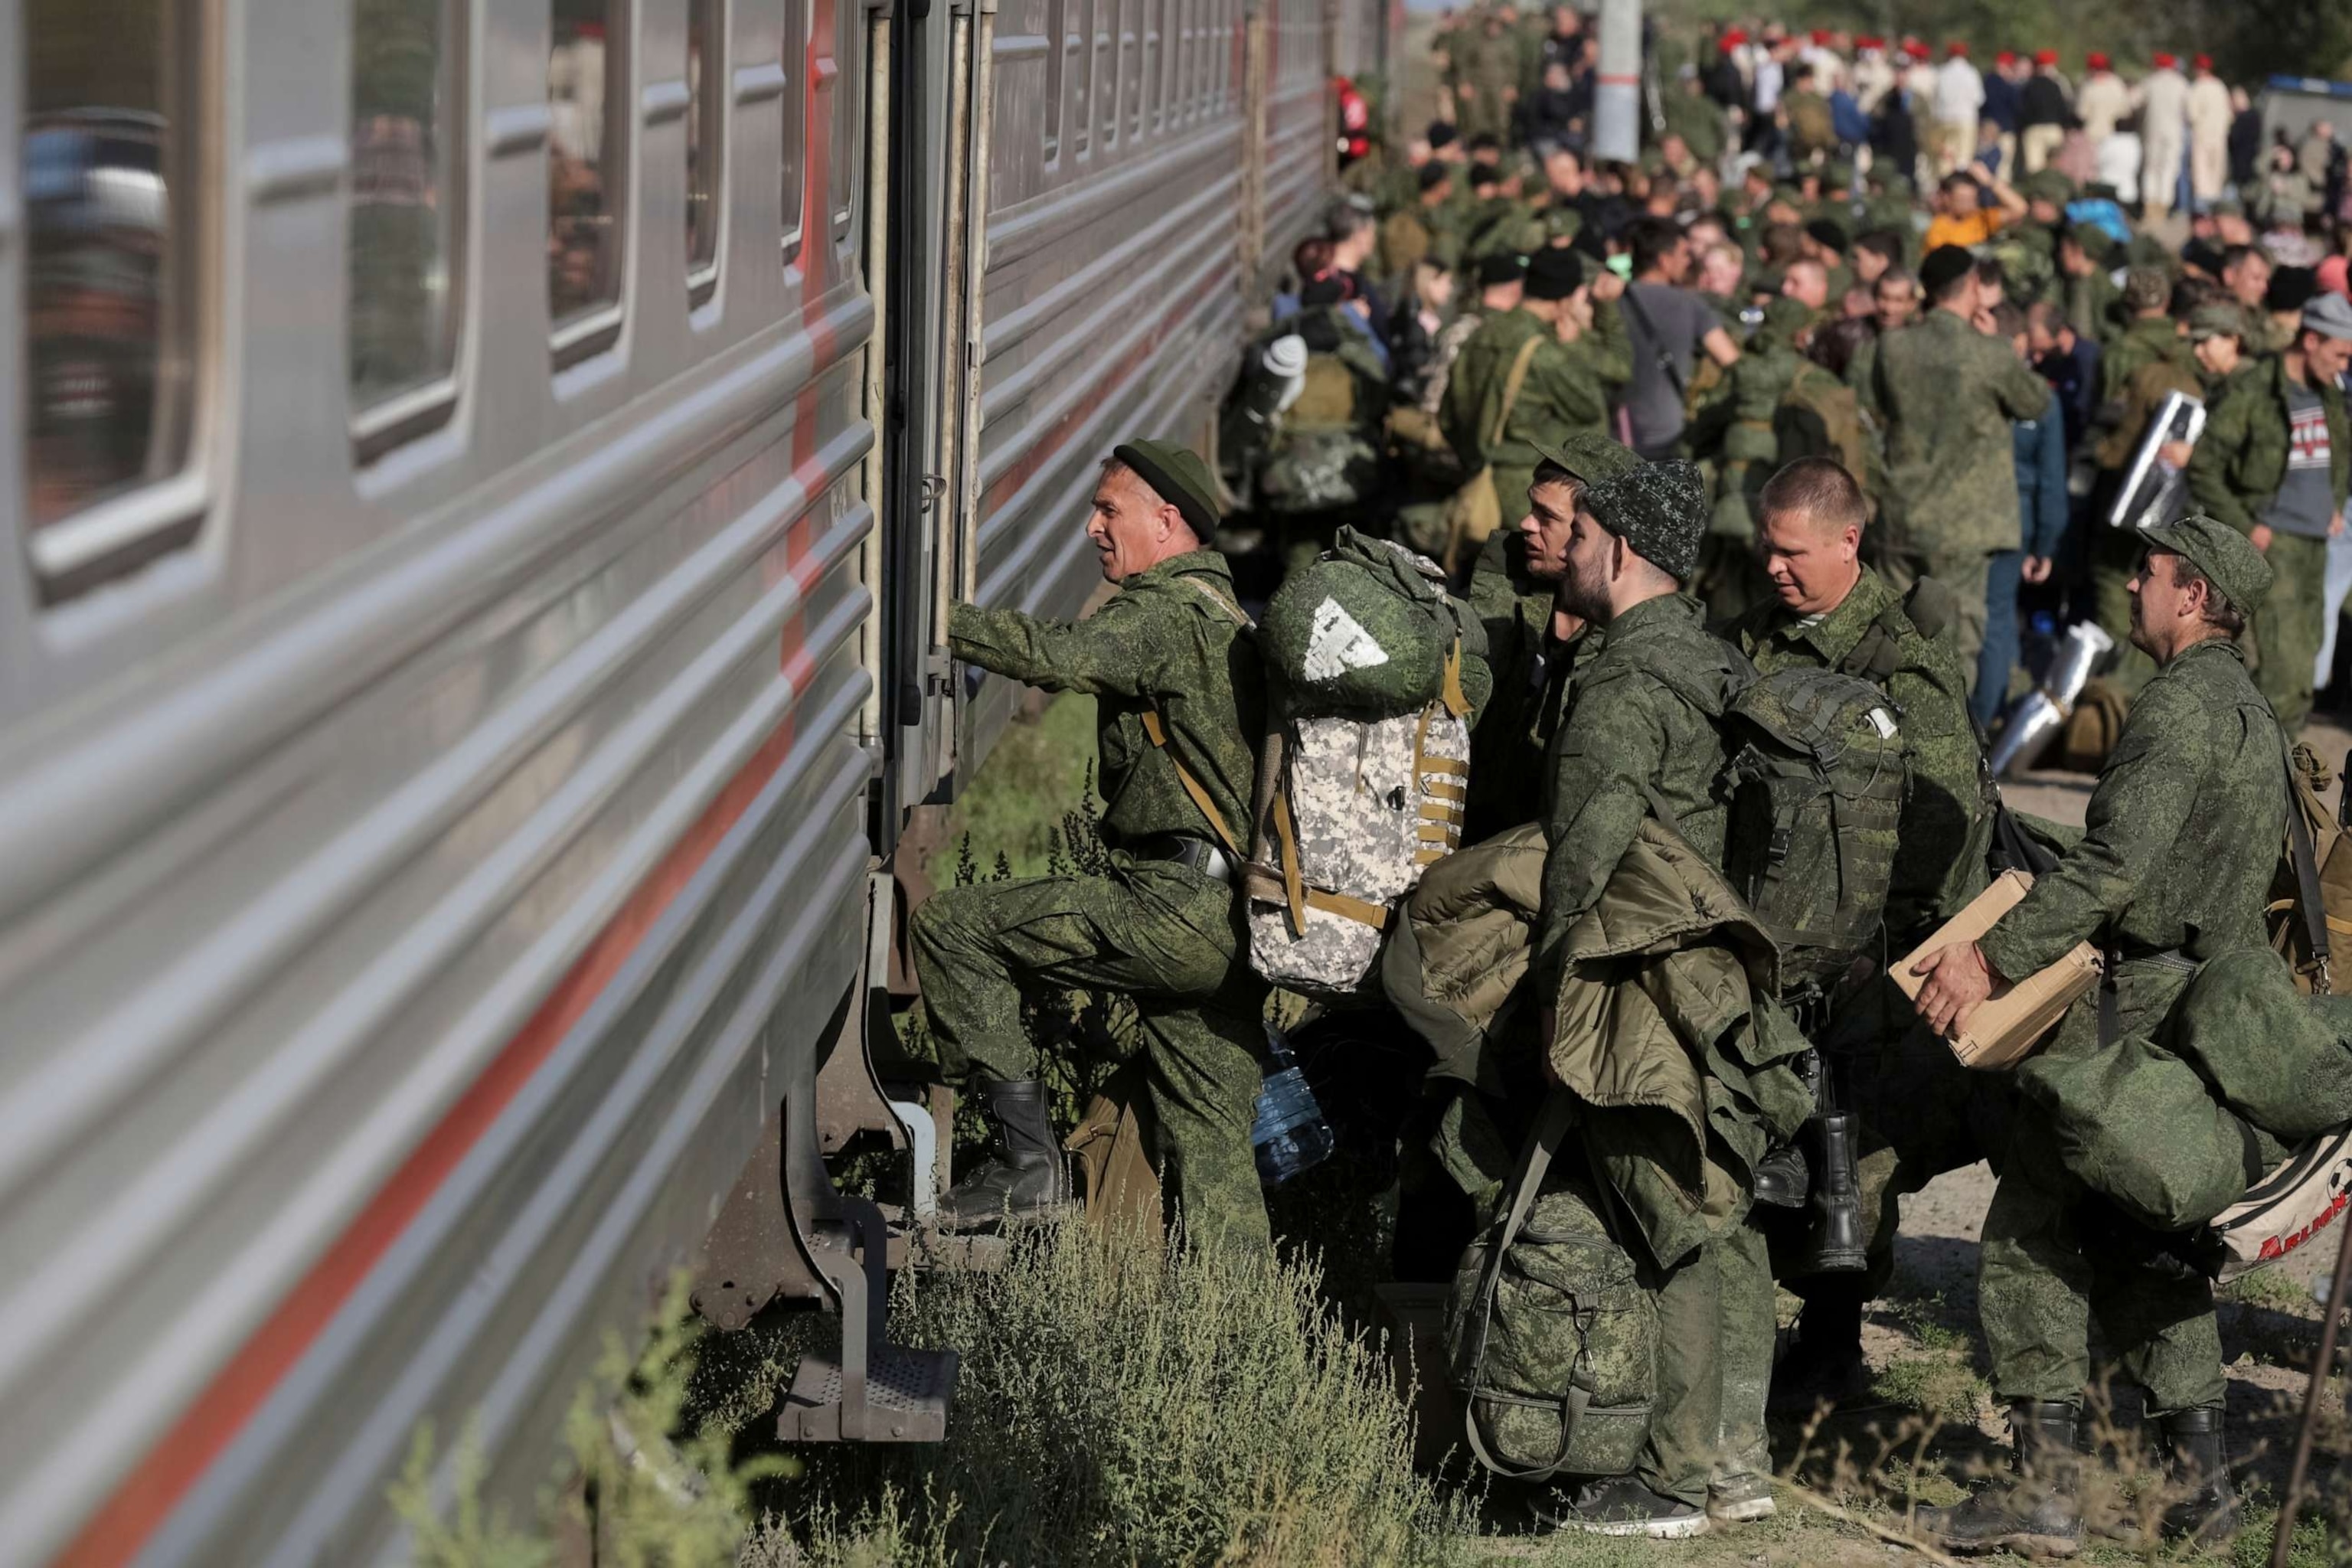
(2198, 1468)
(1834, 1243)
(1824, 1366)
(1023, 1175)
(2038, 1513)
(1782, 1178)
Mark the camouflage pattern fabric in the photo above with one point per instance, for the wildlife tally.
(1947, 815)
(1160, 932)
(2179, 847)
(2181, 835)
(2287, 631)
(1566, 392)
(1641, 724)
(1172, 638)
(2151, 340)
(1370, 805)
(1945, 394)
(2053, 1254)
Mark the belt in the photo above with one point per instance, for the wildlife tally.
(2170, 958)
(1184, 849)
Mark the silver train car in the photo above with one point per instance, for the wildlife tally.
(487, 478)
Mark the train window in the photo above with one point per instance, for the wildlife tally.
(1057, 50)
(587, 116)
(795, 102)
(705, 122)
(402, 230)
(110, 252)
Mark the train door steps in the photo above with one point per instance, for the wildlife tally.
(919, 1246)
(907, 1396)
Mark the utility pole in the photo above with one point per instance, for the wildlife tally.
(1616, 105)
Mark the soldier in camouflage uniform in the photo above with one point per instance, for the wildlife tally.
(1734, 430)
(1944, 393)
(2259, 467)
(1532, 646)
(1170, 652)
(2181, 842)
(1409, 231)
(1640, 734)
(1484, 61)
(1565, 390)
(1922, 1114)
(2084, 290)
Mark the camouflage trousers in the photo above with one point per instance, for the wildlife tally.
(2054, 1253)
(2287, 630)
(1164, 935)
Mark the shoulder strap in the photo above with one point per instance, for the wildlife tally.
(1552, 1123)
(2306, 856)
(1216, 596)
(1512, 383)
(1156, 728)
(1666, 366)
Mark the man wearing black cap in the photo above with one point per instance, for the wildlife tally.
(1538, 372)
(1176, 680)
(1502, 283)
(1408, 233)
(2275, 462)
(1640, 737)
(1944, 393)
(2181, 842)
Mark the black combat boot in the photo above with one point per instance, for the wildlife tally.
(1834, 1242)
(1824, 1366)
(1781, 1179)
(1023, 1175)
(2039, 1513)
(2198, 1468)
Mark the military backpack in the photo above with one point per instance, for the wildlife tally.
(1552, 1342)
(1374, 672)
(1326, 448)
(1815, 786)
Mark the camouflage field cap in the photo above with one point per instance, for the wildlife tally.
(1178, 475)
(2226, 557)
(1585, 457)
(2093, 241)
(1659, 508)
(2217, 319)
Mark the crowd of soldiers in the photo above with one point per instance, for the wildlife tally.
(1745, 404)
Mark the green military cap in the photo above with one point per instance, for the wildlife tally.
(1784, 318)
(1837, 176)
(2052, 186)
(1586, 457)
(2146, 250)
(2145, 288)
(1563, 222)
(2217, 319)
(1659, 508)
(2227, 558)
(1180, 477)
(2228, 209)
(2095, 242)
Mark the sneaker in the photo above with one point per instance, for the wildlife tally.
(1740, 1497)
(1623, 1506)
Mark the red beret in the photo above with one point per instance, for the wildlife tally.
(1733, 36)
(1915, 49)
(2204, 62)
(1956, 51)
(2165, 62)
(2095, 60)
(1819, 35)
(2006, 58)
(2045, 57)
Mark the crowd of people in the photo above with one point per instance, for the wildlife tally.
(1752, 466)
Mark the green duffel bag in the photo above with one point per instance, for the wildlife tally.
(1553, 1343)
(1364, 632)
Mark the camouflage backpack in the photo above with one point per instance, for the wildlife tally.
(1815, 783)
(1552, 1344)
(1326, 451)
(1374, 672)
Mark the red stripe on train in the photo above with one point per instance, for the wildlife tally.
(147, 1496)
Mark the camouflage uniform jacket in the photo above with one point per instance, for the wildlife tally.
(1171, 638)
(1532, 671)
(1567, 387)
(2088, 303)
(2182, 834)
(2142, 395)
(1945, 394)
(2240, 461)
(2144, 341)
(1947, 815)
(1639, 732)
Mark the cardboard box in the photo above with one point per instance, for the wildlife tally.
(2005, 1029)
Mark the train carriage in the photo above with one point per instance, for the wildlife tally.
(488, 478)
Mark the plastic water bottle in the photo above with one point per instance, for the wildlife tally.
(1290, 1136)
(1274, 383)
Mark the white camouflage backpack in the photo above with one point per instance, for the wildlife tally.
(1362, 783)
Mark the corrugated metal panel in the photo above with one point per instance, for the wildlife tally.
(390, 955)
